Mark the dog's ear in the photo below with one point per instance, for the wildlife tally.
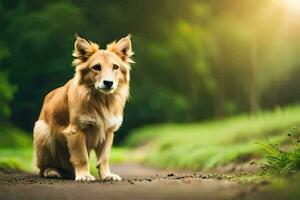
(122, 48)
(83, 49)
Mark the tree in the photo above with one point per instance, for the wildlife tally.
(6, 89)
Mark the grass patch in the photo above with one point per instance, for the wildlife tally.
(13, 137)
(279, 161)
(16, 159)
(15, 149)
(212, 144)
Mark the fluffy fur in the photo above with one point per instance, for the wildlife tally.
(83, 114)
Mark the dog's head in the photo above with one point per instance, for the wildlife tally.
(103, 69)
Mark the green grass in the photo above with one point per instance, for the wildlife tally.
(16, 159)
(15, 149)
(213, 144)
(12, 137)
(279, 161)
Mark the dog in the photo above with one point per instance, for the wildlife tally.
(84, 114)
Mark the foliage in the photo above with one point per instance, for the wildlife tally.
(212, 144)
(281, 162)
(6, 89)
(6, 95)
(12, 137)
(12, 159)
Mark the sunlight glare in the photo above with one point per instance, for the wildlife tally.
(292, 5)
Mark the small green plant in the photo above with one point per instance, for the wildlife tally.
(279, 161)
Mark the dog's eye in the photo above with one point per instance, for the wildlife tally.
(115, 67)
(96, 67)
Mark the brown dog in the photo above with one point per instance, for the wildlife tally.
(84, 113)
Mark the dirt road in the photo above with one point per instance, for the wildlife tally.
(138, 183)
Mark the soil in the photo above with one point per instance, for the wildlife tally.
(138, 182)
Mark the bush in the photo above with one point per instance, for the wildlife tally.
(279, 161)
(6, 95)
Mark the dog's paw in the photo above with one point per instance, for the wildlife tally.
(111, 177)
(52, 173)
(84, 177)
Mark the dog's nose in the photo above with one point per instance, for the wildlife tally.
(108, 84)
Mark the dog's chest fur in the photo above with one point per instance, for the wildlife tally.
(113, 122)
(100, 116)
(105, 122)
(96, 127)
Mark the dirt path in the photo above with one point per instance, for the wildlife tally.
(138, 183)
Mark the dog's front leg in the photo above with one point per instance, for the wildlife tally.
(76, 141)
(103, 154)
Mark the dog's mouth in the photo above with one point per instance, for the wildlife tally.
(106, 90)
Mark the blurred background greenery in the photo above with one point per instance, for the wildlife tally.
(196, 61)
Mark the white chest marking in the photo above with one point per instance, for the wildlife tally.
(114, 122)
